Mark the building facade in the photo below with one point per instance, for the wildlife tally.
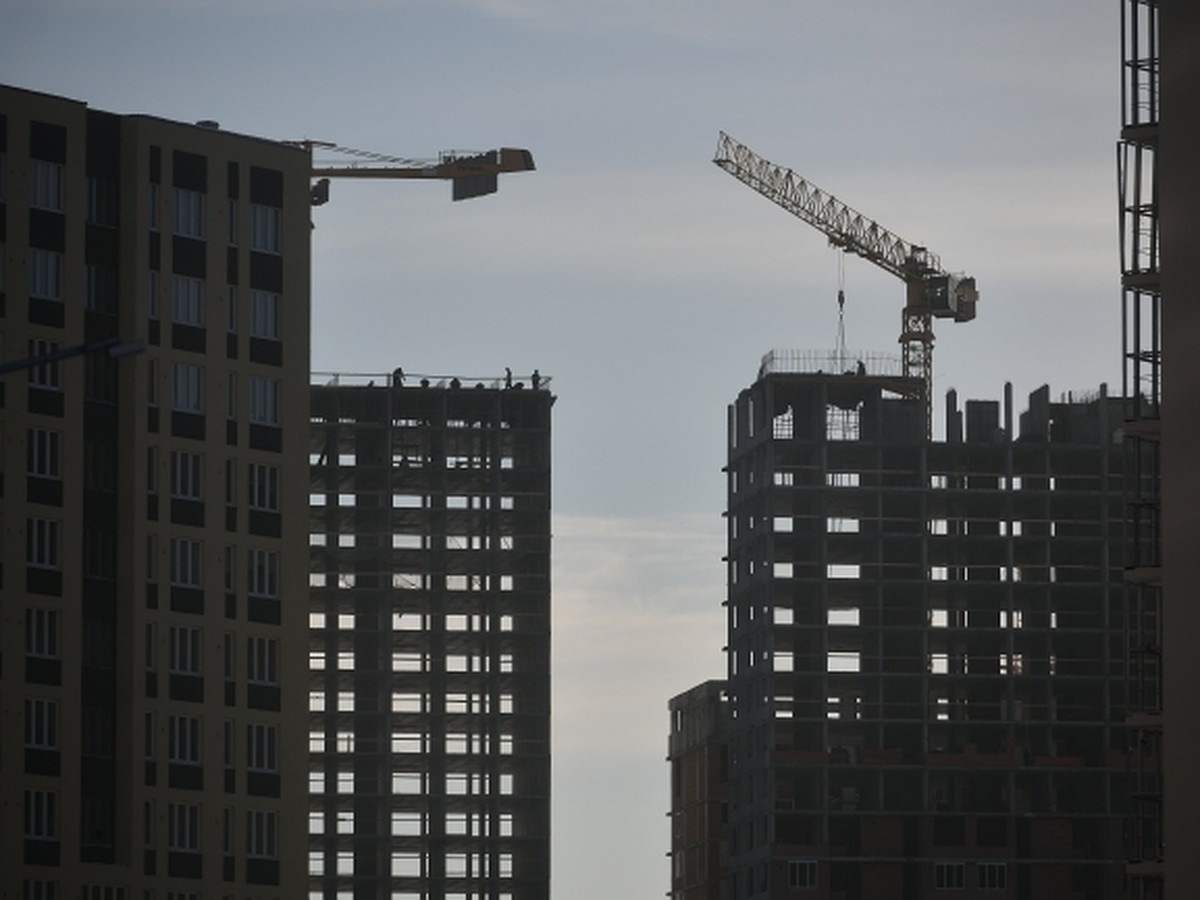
(698, 751)
(152, 630)
(1159, 196)
(429, 664)
(925, 650)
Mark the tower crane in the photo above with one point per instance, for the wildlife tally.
(931, 291)
(471, 174)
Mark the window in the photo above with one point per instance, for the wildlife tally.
(992, 876)
(42, 547)
(45, 274)
(264, 400)
(41, 633)
(949, 876)
(187, 389)
(102, 202)
(44, 374)
(45, 185)
(264, 315)
(37, 888)
(41, 724)
(41, 815)
(152, 199)
(183, 826)
(842, 661)
(186, 469)
(262, 663)
(802, 874)
(185, 740)
(188, 210)
(260, 834)
(185, 650)
(187, 300)
(261, 748)
(185, 562)
(264, 487)
(42, 453)
(231, 236)
(263, 573)
(100, 290)
(264, 228)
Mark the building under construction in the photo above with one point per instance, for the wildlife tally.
(430, 638)
(925, 650)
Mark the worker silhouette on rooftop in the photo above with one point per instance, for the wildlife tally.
(507, 377)
(536, 378)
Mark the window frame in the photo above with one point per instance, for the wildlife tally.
(187, 475)
(183, 827)
(45, 185)
(41, 723)
(42, 633)
(949, 875)
(187, 656)
(262, 747)
(43, 456)
(45, 274)
(263, 401)
(265, 310)
(187, 300)
(41, 815)
(262, 573)
(43, 543)
(262, 660)
(263, 482)
(187, 389)
(184, 747)
(264, 228)
(187, 213)
(187, 563)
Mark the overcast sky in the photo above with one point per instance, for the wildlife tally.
(645, 281)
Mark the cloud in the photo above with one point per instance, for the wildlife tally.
(637, 619)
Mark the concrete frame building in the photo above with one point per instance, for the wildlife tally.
(1159, 197)
(430, 640)
(925, 649)
(150, 661)
(698, 751)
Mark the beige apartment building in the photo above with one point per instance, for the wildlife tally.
(153, 613)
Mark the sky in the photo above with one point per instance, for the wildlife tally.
(643, 280)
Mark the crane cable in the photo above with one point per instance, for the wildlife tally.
(841, 300)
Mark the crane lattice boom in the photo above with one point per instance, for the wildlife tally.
(931, 291)
(846, 227)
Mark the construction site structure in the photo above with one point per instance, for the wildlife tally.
(1142, 373)
(931, 291)
(471, 174)
(429, 653)
(924, 654)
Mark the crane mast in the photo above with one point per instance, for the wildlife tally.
(930, 291)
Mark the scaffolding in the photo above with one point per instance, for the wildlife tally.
(1142, 388)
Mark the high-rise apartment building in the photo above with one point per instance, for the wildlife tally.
(430, 639)
(152, 588)
(1160, 262)
(925, 649)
